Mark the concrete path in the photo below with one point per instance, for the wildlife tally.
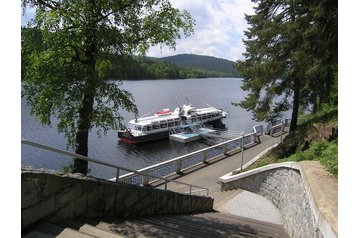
(251, 205)
(207, 175)
(240, 203)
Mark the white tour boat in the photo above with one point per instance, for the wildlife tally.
(158, 126)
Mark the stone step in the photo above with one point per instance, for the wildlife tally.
(260, 227)
(217, 228)
(55, 230)
(70, 233)
(179, 228)
(90, 229)
(221, 197)
(213, 224)
(200, 227)
(136, 228)
(98, 232)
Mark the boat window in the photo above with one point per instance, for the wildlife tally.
(170, 124)
(162, 125)
(209, 115)
(176, 123)
(149, 128)
(155, 126)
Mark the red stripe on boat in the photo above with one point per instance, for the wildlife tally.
(164, 112)
(128, 141)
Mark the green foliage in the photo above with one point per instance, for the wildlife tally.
(291, 50)
(64, 74)
(324, 152)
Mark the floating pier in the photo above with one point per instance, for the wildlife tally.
(188, 133)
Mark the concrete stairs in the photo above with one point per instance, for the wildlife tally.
(199, 225)
(212, 224)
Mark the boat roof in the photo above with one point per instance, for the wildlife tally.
(156, 119)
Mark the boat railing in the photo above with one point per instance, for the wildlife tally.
(143, 176)
(179, 164)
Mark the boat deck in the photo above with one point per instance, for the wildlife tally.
(188, 137)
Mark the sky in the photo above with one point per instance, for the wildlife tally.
(218, 32)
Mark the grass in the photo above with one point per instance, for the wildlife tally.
(302, 144)
(325, 152)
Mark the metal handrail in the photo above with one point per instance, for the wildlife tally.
(59, 151)
(180, 158)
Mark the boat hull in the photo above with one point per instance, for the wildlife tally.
(130, 139)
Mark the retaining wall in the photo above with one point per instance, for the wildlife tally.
(284, 186)
(50, 195)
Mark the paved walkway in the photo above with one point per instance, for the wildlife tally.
(323, 186)
(207, 175)
(251, 205)
(245, 203)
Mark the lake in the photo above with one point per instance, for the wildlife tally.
(150, 96)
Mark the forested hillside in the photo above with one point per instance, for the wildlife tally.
(202, 62)
(152, 68)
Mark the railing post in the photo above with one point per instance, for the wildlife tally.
(190, 188)
(146, 178)
(178, 169)
(282, 125)
(224, 149)
(166, 185)
(117, 177)
(242, 151)
(205, 156)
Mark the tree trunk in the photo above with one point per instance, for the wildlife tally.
(84, 123)
(296, 103)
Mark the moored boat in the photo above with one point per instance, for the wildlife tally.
(157, 127)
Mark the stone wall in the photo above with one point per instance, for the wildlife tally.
(53, 196)
(285, 188)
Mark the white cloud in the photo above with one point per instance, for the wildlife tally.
(219, 28)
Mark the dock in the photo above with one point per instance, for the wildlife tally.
(207, 175)
(189, 133)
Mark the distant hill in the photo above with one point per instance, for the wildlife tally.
(202, 62)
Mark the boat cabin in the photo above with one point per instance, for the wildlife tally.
(162, 121)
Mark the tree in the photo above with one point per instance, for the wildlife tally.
(67, 77)
(279, 56)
